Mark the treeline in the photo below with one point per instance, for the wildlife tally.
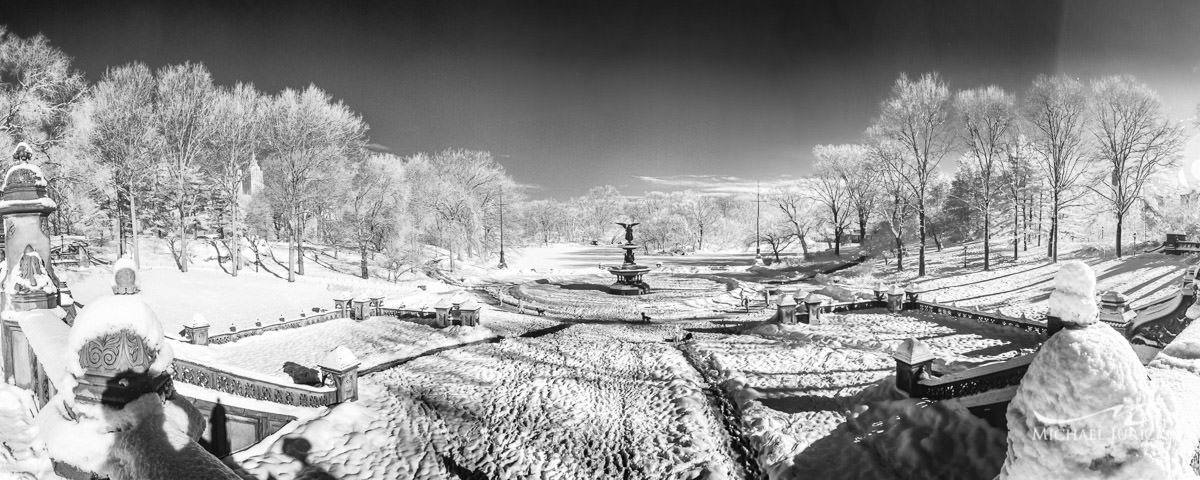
(1100, 146)
(171, 153)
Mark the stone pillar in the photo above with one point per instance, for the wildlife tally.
(880, 292)
(342, 305)
(339, 369)
(911, 296)
(442, 309)
(913, 361)
(196, 331)
(895, 300)
(359, 309)
(812, 305)
(785, 309)
(25, 204)
(1114, 310)
(469, 313)
(377, 305)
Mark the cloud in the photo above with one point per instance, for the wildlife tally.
(718, 184)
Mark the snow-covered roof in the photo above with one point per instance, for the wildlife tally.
(443, 303)
(197, 321)
(787, 299)
(913, 351)
(1112, 296)
(817, 298)
(340, 358)
(470, 304)
(896, 290)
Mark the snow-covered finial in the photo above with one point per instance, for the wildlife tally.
(23, 153)
(125, 280)
(1074, 297)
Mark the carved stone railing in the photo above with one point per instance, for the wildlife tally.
(283, 324)
(974, 380)
(255, 388)
(994, 318)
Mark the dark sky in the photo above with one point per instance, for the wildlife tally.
(570, 94)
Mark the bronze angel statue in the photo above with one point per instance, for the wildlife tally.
(628, 231)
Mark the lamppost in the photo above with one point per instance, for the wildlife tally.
(502, 264)
(757, 221)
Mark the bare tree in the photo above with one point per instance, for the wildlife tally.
(778, 237)
(800, 212)
(834, 172)
(701, 213)
(1134, 141)
(987, 116)
(1017, 179)
(121, 136)
(238, 117)
(917, 117)
(894, 190)
(38, 91)
(375, 198)
(309, 141)
(184, 120)
(1057, 108)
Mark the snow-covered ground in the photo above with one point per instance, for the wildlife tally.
(591, 401)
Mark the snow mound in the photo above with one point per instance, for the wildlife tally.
(24, 454)
(339, 358)
(1086, 409)
(112, 314)
(1074, 297)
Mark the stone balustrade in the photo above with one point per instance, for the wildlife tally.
(256, 388)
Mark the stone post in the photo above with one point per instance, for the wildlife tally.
(1115, 311)
(377, 305)
(880, 292)
(469, 313)
(25, 204)
(442, 309)
(812, 305)
(786, 309)
(911, 296)
(342, 305)
(339, 369)
(196, 331)
(895, 300)
(359, 311)
(913, 361)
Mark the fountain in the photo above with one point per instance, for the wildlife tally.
(629, 274)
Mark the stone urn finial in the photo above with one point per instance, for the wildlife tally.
(125, 280)
(23, 153)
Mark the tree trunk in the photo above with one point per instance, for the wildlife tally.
(1040, 208)
(899, 254)
(837, 242)
(1120, 222)
(862, 232)
(235, 253)
(987, 239)
(183, 246)
(921, 220)
(300, 243)
(1016, 223)
(1052, 242)
(292, 247)
(362, 259)
(804, 246)
(121, 247)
